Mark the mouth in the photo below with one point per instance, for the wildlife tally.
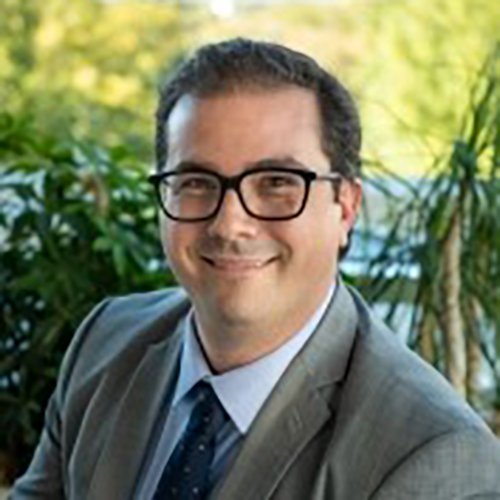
(237, 265)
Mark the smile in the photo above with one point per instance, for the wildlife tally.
(236, 265)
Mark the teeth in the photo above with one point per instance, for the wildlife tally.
(236, 264)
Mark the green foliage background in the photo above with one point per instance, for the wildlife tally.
(77, 224)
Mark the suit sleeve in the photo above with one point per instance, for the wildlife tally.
(45, 477)
(462, 465)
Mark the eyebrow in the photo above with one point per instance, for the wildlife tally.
(270, 162)
(188, 165)
(280, 161)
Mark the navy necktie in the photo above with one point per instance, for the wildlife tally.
(186, 475)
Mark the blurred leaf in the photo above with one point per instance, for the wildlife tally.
(62, 253)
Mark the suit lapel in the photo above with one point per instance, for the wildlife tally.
(298, 407)
(279, 434)
(118, 466)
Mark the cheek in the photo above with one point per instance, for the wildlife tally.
(166, 238)
(176, 241)
(307, 242)
(315, 240)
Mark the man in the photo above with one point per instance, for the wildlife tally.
(264, 377)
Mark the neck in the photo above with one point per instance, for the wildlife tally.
(227, 349)
(229, 343)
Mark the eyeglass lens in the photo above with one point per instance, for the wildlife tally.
(192, 195)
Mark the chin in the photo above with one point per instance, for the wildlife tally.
(235, 308)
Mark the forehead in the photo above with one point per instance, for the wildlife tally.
(245, 126)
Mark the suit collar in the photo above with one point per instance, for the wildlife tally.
(149, 390)
(327, 355)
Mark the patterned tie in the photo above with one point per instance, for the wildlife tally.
(186, 475)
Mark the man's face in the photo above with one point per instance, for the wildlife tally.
(239, 270)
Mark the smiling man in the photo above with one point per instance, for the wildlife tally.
(254, 283)
(264, 376)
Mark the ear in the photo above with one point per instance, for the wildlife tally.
(349, 199)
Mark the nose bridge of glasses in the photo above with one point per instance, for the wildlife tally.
(231, 219)
(232, 183)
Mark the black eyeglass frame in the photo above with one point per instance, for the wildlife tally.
(234, 183)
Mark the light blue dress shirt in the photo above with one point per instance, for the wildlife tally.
(242, 391)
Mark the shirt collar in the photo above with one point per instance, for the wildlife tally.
(258, 378)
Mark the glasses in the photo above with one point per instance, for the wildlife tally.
(266, 193)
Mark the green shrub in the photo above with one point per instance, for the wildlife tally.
(77, 223)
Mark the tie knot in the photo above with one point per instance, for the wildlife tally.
(205, 392)
(209, 412)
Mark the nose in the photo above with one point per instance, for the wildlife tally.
(232, 221)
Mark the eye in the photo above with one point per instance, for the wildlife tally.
(278, 181)
(192, 184)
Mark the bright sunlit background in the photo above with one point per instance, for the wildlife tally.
(91, 68)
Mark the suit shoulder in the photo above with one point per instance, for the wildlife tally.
(121, 319)
(119, 324)
(394, 405)
(459, 464)
(140, 309)
(383, 366)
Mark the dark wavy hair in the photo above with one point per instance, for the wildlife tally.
(239, 64)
